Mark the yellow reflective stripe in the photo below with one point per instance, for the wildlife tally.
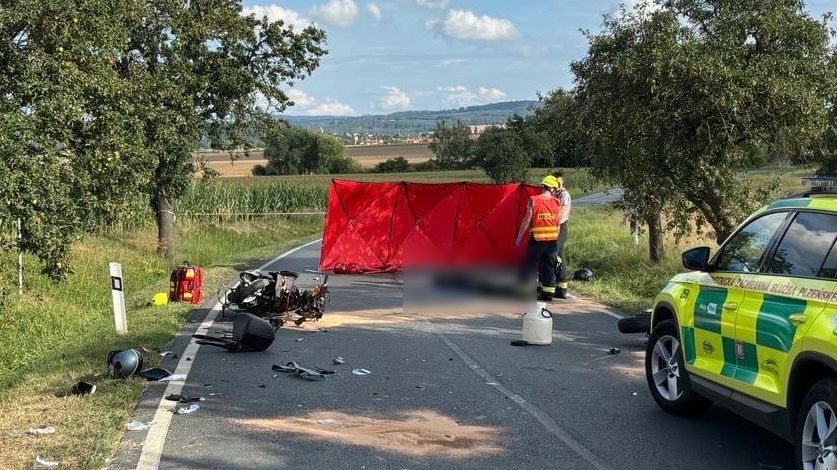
(548, 290)
(545, 238)
(563, 285)
(545, 229)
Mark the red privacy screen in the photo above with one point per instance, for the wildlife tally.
(384, 227)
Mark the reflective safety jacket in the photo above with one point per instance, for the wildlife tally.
(546, 212)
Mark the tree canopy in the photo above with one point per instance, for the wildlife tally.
(677, 98)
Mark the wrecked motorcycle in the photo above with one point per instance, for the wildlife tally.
(274, 297)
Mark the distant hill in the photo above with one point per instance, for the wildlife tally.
(413, 122)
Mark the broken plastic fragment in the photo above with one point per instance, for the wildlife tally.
(361, 372)
(83, 388)
(614, 351)
(183, 398)
(155, 374)
(164, 354)
(339, 360)
(185, 410)
(138, 426)
(41, 431)
(519, 342)
(43, 463)
(173, 377)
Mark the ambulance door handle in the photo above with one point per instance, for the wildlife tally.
(798, 319)
(730, 306)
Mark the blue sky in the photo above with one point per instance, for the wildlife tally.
(393, 55)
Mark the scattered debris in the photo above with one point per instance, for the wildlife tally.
(138, 426)
(339, 361)
(262, 386)
(173, 377)
(155, 374)
(298, 340)
(183, 398)
(325, 371)
(43, 463)
(327, 421)
(41, 431)
(83, 388)
(185, 410)
(361, 372)
(614, 351)
(188, 358)
(634, 394)
(519, 342)
(164, 354)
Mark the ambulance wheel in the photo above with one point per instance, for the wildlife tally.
(666, 374)
(815, 439)
(246, 290)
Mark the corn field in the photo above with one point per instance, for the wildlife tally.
(223, 200)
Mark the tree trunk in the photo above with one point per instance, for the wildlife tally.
(165, 225)
(656, 250)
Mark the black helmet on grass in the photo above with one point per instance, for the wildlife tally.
(124, 363)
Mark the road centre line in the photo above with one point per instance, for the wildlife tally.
(546, 421)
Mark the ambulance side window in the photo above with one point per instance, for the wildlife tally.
(744, 251)
(829, 268)
(805, 245)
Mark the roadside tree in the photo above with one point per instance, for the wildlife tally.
(558, 120)
(205, 69)
(452, 145)
(293, 150)
(676, 99)
(72, 150)
(501, 154)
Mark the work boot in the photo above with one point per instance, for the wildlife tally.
(544, 297)
(561, 293)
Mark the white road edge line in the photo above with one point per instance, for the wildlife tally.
(546, 421)
(605, 311)
(152, 448)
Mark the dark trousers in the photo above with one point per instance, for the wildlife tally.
(561, 275)
(540, 257)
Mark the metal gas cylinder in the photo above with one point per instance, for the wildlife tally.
(537, 325)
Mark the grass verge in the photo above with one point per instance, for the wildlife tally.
(624, 277)
(58, 334)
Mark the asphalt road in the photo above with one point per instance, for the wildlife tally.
(445, 392)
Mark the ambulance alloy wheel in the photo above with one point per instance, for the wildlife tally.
(666, 374)
(815, 441)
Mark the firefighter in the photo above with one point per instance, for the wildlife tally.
(561, 276)
(542, 216)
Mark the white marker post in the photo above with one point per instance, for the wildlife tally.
(116, 289)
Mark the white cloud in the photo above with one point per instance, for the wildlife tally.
(276, 13)
(308, 105)
(331, 108)
(374, 10)
(465, 24)
(300, 98)
(336, 12)
(462, 96)
(432, 3)
(395, 98)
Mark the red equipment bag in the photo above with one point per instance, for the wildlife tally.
(186, 284)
